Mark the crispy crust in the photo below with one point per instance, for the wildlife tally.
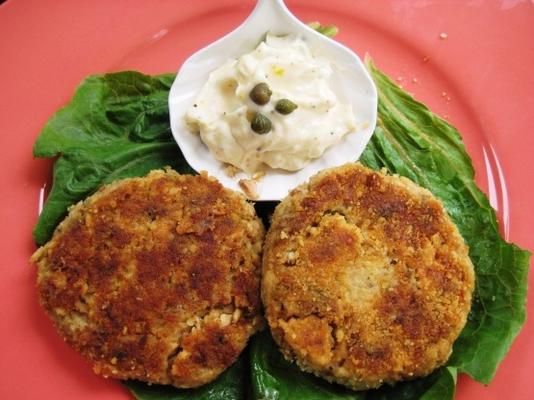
(365, 278)
(156, 278)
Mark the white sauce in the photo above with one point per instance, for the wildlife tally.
(292, 71)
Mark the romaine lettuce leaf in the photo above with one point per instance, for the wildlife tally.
(231, 385)
(116, 126)
(274, 378)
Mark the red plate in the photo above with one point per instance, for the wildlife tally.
(470, 62)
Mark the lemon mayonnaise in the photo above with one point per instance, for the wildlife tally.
(273, 107)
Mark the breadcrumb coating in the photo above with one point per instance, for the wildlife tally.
(365, 278)
(156, 278)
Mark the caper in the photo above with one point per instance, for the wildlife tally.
(260, 124)
(285, 106)
(261, 94)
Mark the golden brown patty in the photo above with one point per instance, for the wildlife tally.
(156, 278)
(365, 278)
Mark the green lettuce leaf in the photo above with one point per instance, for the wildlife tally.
(274, 378)
(231, 385)
(117, 126)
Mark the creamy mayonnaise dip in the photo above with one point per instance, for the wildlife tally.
(222, 112)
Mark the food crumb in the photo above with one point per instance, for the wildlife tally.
(236, 315)
(258, 175)
(231, 170)
(279, 71)
(443, 36)
(249, 188)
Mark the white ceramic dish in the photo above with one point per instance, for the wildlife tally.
(351, 83)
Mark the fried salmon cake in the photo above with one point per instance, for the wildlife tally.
(156, 278)
(365, 278)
